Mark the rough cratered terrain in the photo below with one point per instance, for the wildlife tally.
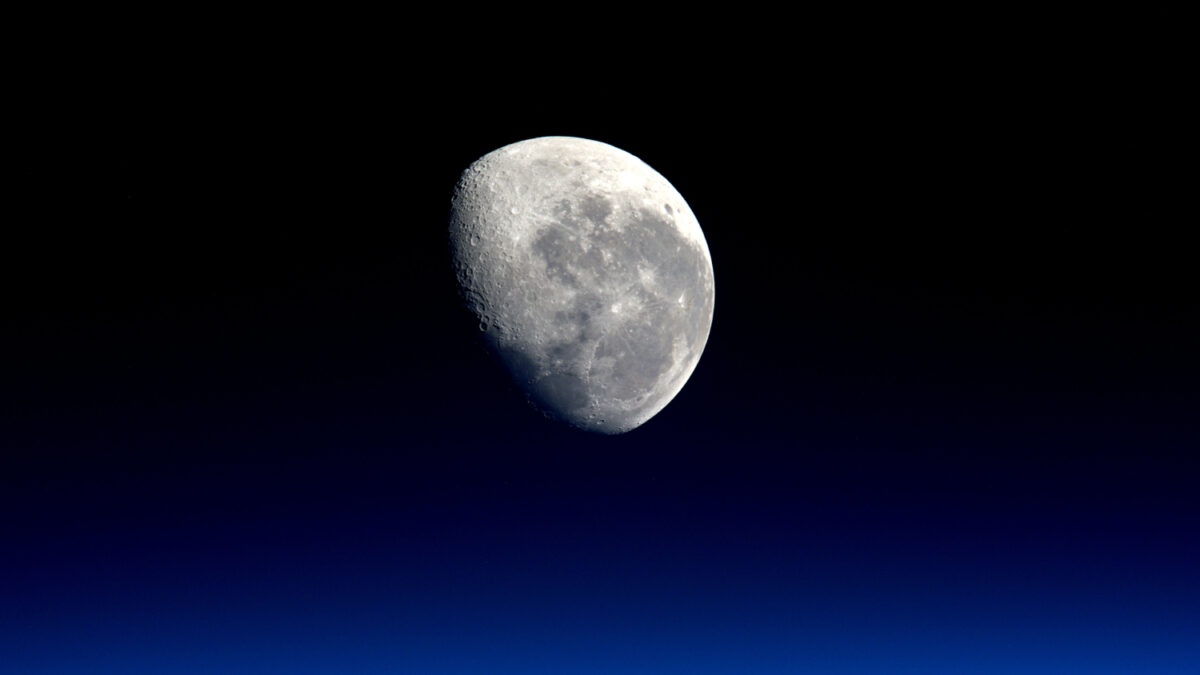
(589, 275)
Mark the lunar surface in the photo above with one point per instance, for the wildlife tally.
(589, 275)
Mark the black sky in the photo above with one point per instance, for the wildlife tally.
(952, 375)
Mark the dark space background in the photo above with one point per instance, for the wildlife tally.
(946, 421)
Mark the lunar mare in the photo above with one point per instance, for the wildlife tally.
(589, 275)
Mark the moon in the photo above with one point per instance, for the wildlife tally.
(589, 275)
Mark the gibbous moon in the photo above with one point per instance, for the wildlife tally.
(589, 275)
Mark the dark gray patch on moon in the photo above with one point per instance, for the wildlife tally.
(596, 208)
(554, 247)
(560, 392)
